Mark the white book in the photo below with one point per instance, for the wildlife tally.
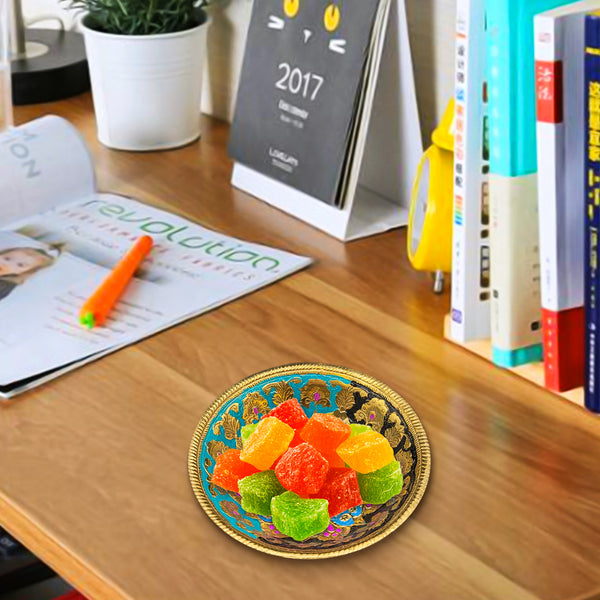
(559, 52)
(515, 270)
(471, 247)
(559, 38)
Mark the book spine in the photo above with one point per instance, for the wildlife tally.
(558, 48)
(470, 256)
(592, 216)
(515, 268)
(516, 311)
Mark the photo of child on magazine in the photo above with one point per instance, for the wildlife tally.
(17, 265)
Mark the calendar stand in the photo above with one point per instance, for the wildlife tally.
(388, 149)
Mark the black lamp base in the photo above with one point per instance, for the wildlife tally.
(55, 68)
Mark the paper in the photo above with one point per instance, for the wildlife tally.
(42, 164)
(51, 263)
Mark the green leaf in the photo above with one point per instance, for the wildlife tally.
(141, 17)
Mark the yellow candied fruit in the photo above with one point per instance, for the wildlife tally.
(366, 452)
(267, 443)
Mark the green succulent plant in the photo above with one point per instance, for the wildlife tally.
(140, 17)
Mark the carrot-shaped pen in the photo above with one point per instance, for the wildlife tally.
(95, 311)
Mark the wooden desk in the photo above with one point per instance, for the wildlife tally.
(93, 466)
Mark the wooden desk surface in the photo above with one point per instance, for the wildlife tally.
(93, 466)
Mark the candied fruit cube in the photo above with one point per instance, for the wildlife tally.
(381, 485)
(325, 433)
(340, 490)
(229, 469)
(247, 431)
(335, 462)
(356, 428)
(291, 413)
(267, 443)
(296, 440)
(366, 452)
(258, 490)
(302, 470)
(300, 518)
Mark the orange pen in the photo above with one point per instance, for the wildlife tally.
(97, 307)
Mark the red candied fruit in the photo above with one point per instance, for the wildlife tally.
(297, 440)
(291, 413)
(302, 470)
(229, 469)
(341, 490)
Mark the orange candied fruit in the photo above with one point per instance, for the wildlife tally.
(325, 433)
(267, 443)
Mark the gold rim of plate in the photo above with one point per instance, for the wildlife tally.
(411, 418)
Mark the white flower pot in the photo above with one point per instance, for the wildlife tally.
(146, 88)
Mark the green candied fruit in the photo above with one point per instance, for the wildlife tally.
(381, 485)
(358, 429)
(247, 431)
(257, 491)
(300, 518)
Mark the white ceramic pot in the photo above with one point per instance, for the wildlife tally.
(146, 88)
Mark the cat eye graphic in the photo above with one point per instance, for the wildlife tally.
(331, 22)
(291, 8)
(331, 18)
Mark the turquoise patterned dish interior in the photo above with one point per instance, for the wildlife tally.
(344, 396)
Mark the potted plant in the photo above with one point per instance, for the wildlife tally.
(146, 60)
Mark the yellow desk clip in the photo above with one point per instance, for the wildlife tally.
(430, 221)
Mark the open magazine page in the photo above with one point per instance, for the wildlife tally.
(42, 163)
(51, 263)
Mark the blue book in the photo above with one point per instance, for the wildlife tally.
(515, 263)
(592, 212)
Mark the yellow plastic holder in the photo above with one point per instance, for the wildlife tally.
(430, 220)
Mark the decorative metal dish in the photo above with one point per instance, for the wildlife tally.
(351, 396)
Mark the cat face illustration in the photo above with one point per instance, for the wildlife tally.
(292, 16)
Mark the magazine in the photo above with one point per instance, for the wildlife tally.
(59, 238)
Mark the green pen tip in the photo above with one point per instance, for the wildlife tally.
(87, 320)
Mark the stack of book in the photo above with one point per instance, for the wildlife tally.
(527, 187)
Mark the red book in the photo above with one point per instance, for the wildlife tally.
(74, 595)
(564, 353)
(561, 159)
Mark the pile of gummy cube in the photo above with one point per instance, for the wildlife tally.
(301, 471)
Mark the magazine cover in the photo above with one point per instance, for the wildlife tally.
(53, 260)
